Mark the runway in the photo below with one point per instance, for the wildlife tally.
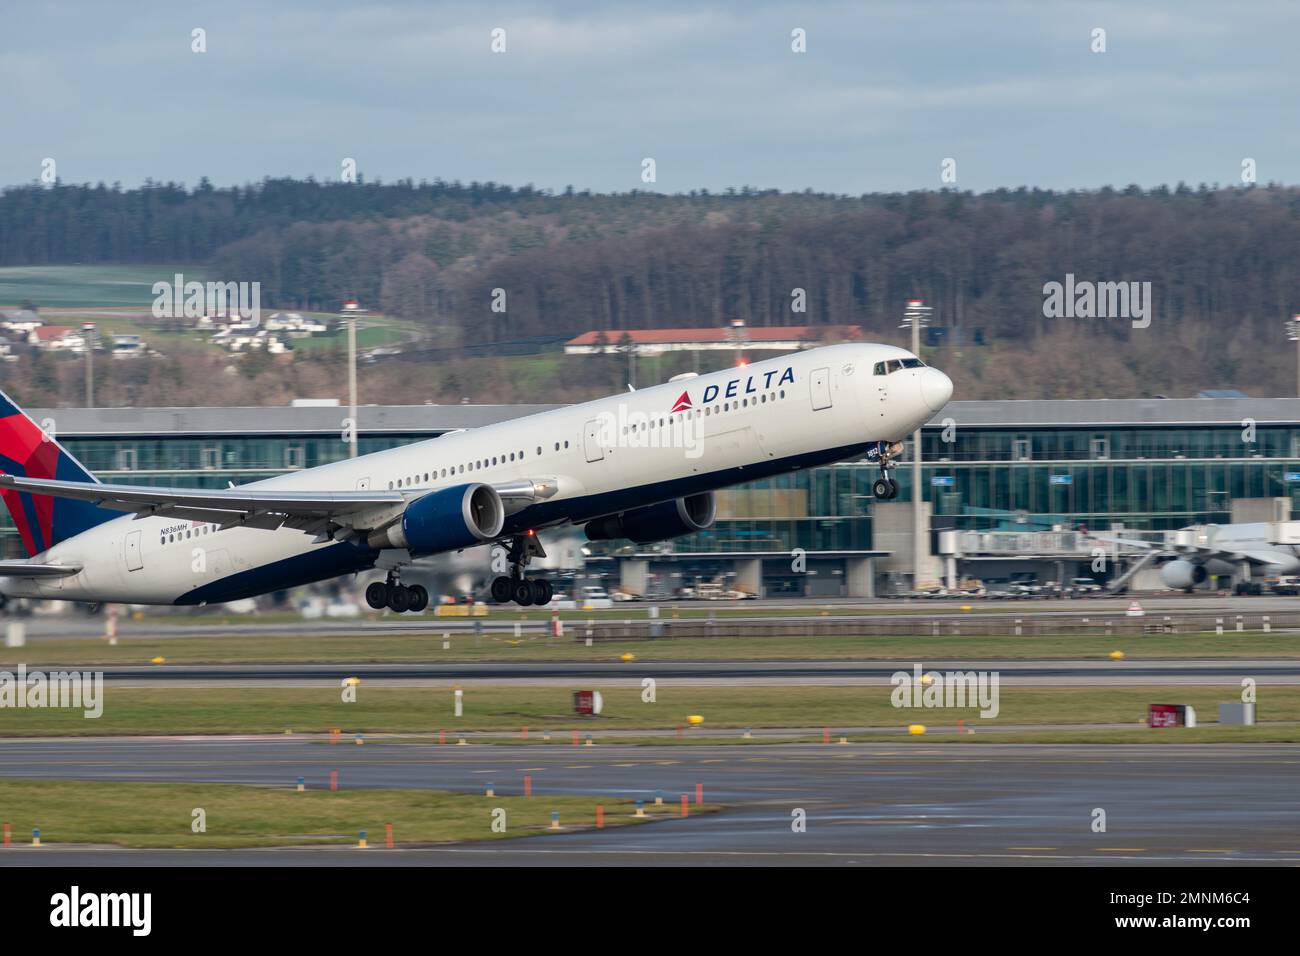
(867, 672)
(864, 804)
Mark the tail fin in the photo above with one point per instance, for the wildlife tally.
(26, 450)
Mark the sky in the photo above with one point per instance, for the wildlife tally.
(886, 96)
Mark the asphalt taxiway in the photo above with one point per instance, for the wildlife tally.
(956, 804)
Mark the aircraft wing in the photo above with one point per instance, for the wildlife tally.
(306, 510)
(22, 569)
(1263, 558)
(1163, 548)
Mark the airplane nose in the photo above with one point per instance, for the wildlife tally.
(936, 388)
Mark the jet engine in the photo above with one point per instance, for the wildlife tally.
(1182, 574)
(669, 519)
(445, 520)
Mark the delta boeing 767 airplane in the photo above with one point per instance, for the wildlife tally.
(641, 466)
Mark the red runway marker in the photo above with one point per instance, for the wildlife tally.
(334, 780)
(525, 731)
(686, 806)
(442, 736)
(388, 835)
(826, 735)
(699, 794)
(575, 738)
(528, 786)
(680, 730)
(600, 817)
(8, 837)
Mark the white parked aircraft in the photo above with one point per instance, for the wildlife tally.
(1200, 551)
(641, 466)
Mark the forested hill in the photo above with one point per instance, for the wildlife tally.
(1222, 263)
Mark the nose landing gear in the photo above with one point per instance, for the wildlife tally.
(885, 487)
(515, 587)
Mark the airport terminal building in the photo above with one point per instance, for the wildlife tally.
(1044, 468)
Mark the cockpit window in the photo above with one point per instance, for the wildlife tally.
(893, 365)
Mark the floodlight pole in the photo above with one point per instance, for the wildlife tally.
(917, 315)
(88, 337)
(350, 312)
(1293, 333)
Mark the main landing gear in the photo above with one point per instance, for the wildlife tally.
(885, 487)
(515, 587)
(395, 596)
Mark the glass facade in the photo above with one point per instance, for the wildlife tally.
(976, 477)
(998, 478)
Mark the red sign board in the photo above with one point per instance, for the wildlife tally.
(1166, 715)
(584, 702)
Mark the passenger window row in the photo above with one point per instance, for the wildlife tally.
(709, 410)
(473, 466)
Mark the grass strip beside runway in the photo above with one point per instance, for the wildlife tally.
(547, 708)
(161, 815)
(372, 648)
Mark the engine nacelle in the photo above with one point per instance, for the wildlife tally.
(445, 520)
(1182, 574)
(669, 519)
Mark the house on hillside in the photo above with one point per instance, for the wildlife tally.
(19, 321)
(56, 338)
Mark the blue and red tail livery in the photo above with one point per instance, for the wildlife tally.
(26, 450)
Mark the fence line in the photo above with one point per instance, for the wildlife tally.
(976, 625)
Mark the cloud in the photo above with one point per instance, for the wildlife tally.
(711, 90)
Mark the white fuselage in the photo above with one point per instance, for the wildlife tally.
(777, 415)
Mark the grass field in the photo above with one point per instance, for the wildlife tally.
(161, 814)
(362, 647)
(74, 287)
(218, 710)
(130, 287)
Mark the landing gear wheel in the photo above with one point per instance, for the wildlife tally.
(502, 588)
(893, 489)
(541, 591)
(419, 598)
(399, 598)
(521, 592)
(881, 488)
(377, 595)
